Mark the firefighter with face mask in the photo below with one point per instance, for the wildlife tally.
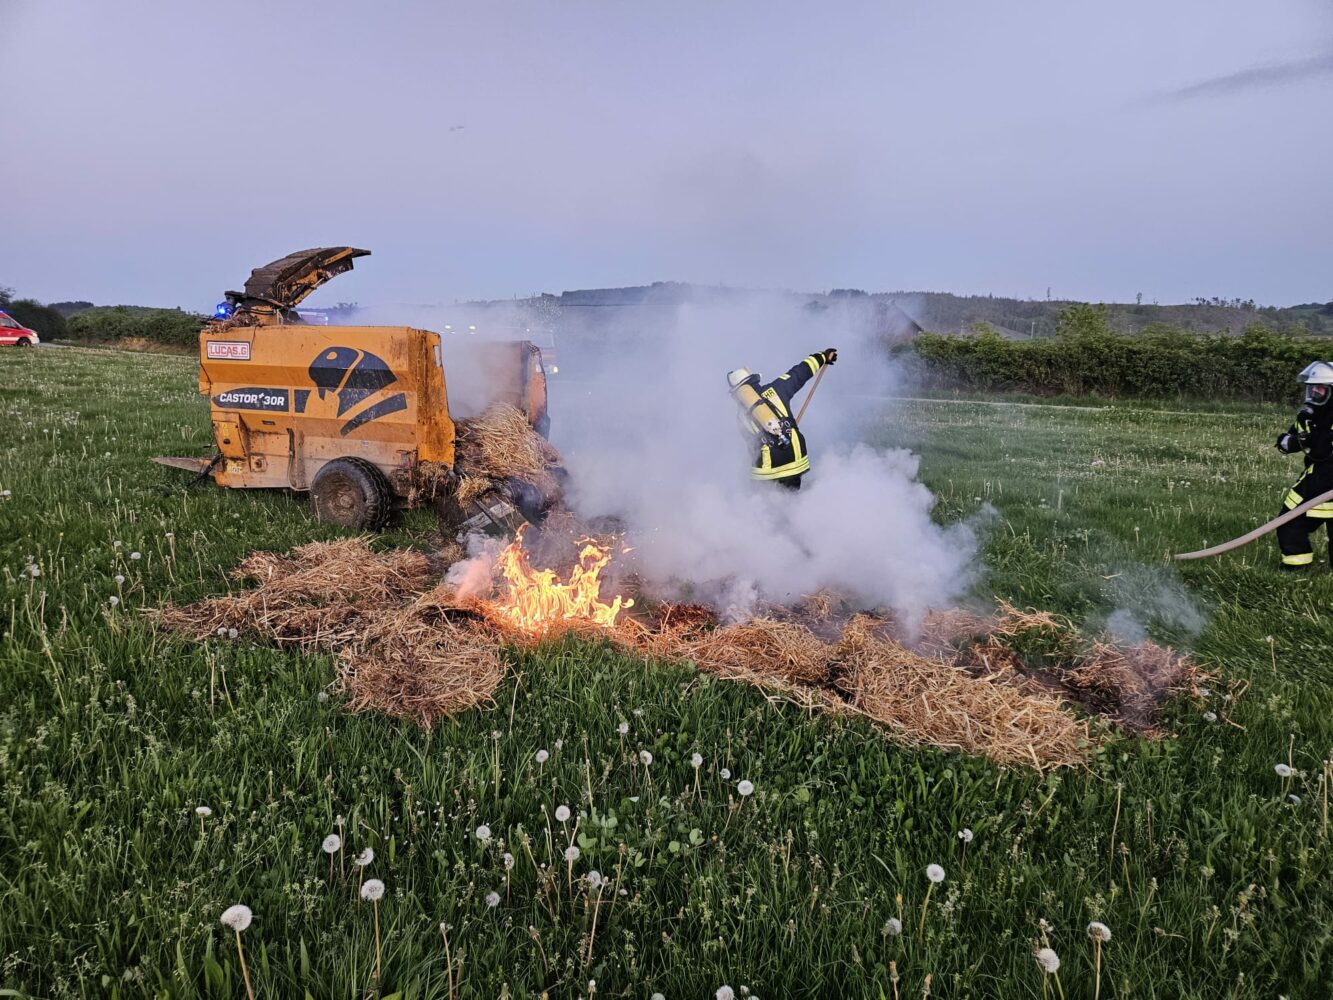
(1312, 435)
(780, 454)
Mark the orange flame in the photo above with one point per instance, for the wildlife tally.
(537, 599)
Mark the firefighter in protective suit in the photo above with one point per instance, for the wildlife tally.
(1312, 434)
(780, 454)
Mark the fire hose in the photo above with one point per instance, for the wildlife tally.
(1258, 532)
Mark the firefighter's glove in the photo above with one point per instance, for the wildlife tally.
(1287, 443)
(830, 355)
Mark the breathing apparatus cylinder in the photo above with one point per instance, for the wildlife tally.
(744, 389)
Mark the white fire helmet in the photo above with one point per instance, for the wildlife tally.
(1318, 379)
(737, 376)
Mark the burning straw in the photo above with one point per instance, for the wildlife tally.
(500, 445)
(417, 651)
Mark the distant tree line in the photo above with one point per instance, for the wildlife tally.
(1087, 357)
(103, 324)
(46, 320)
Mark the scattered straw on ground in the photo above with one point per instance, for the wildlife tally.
(408, 646)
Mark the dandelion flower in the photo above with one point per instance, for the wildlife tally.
(561, 813)
(483, 833)
(725, 993)
(965, 835)
(542, 756)
(696, 761)
(331, 843)
(571, 853)
(492, 899)
(1283, 771)
(1048, 960)
(1098, 931)
(623, 728)
(237, 917)
(893, 927)
(203, 811)
(365, 857)
(373, 890)
(745, 788)
(646, 757)
(725, 774)
(509, 861)
(935, 873)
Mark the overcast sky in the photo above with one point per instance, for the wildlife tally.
(154, 152)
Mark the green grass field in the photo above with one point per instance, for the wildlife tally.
(1212, 871)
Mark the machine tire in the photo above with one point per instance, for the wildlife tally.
(352, 493)
(25, 342)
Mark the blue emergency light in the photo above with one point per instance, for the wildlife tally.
(223, 311)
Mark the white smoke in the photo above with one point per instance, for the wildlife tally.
(1153, 598)
(651, 436)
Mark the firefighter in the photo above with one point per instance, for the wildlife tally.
(1312, 434)
(766, 415)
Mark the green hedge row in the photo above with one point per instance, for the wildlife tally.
(1083, 359)
(48, 323)
(117, 323)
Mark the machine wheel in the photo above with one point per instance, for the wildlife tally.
(353, 493)
(25, 342)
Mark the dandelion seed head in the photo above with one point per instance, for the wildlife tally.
(237, 917)
(203, 811)
(1209, 716)
(745, 788)
(492, 899)
(322, 697)
(34, 571)
(365, 857)
(1294, 799)
(113, 600)
(725, 774)
(935, 873)
(725, 993)
(893, 927)
(657, 996)
(483, 833)
(571, 853)
(135, 556)
(561, 813)
(1283, 770)
(373, 890)
(332, 843)
(696, 761)
(594, 878)
(1098, 931)
(646, 757)
(119, 579)
(1048, 960)
(542, 756)
(965, 835)
(623, 728)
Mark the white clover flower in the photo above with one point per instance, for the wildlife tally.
(203, 811)
(1209, 716)
(725, 993)
(745, 788)
(113, 600)
(1098, 931)
(646, 757)
(483, 833)
(965, 835)
(561, 813)
(623, 728)
(1048, 960)
(725, 774)
(119, 579)
(373, 890)
(135, 556)
(696, 761)
(332, 843)
(935, 873)
(237, 917)
(365, 857)
(571, 853)
(509, 861)
(492, 899)
(542, 756)
(1283, 771)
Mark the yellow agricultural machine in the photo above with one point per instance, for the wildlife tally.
(358, 416)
